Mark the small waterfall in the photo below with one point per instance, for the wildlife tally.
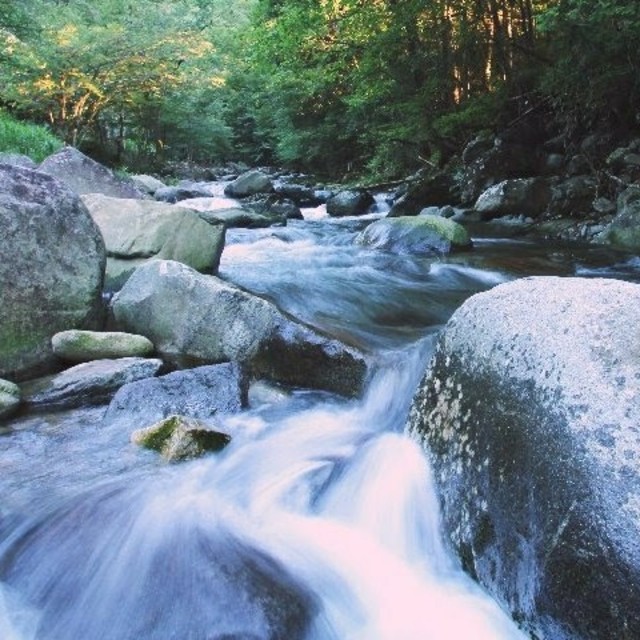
(323, 504)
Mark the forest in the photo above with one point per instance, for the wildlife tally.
(340, 88)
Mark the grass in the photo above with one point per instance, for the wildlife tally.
(25, 138)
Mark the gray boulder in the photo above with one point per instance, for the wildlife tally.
(180, 438)
(352, 202)
(524, 196)
(417, 235)
(138, 230)
(76, 345)
(195, 319)
(202, 393)
(530, 411)
(184, 190)
(52, 267)
(147, 184)
(299, 194)
(624, 230)
(87, 383)
(84, 175)
(9, 398)
(18, 160)
(248, 184)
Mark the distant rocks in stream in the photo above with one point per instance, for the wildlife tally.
(249, 184)
(231, 325)
(530, 411)
(53, 260)
(351, 202)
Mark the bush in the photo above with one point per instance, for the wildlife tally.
(31, 140)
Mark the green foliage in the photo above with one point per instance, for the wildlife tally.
(595, 75)
(28, 139)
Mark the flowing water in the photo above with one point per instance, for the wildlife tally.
(318, 522)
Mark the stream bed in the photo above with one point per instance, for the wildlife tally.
(323, 502)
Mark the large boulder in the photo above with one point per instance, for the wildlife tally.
(417, 235)
(84, 175)
(624, 230)
(351, 202)
(530, 411)
(87, 383)
(195, 319)
(17, 160)
(52, 268)
(524, 196)
(248, 184)
(201, 393)
(77, 345)
(138, 230)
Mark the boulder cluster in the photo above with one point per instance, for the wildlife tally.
(110, 295)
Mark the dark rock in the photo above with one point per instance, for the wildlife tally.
(88, 383)
(530, 411)
(178, 193)
(201, 393)
(84, 175)
(624, 230)
(352, 202)
(426, 190)
(573, 197)
(299, 194)
(52, 267)
(249, 184)
(231, 325)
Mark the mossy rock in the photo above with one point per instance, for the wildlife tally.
(419, 235)
(9, 398)
(180, 438)
(83, 346)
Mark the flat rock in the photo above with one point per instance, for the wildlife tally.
(82, 346)
(87, 383)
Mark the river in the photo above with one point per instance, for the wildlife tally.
(327, 497)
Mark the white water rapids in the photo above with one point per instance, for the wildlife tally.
(318, 496)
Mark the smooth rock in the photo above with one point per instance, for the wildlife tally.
(530, 410)
(180, 438)
(147, 184)
(18, 160)
(81, 346)
(137, 230)
(231, 325)
(416, 235)
(52, 269)
(351, 202)
(201, 393)
(87, 383)
(248, 184)
(84, 175)
(624, 230)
